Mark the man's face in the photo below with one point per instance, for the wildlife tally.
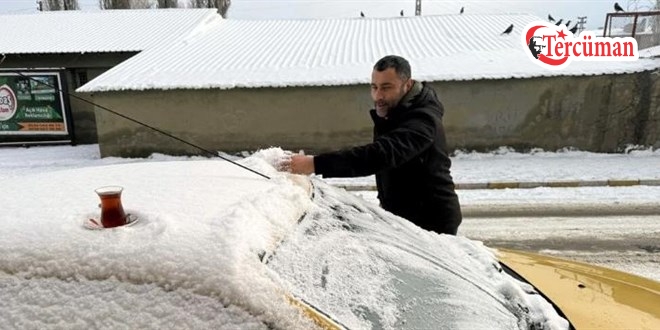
(387, 89)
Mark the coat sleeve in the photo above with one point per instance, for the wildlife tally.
(414, 135)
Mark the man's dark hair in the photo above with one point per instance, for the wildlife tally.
(400, 65)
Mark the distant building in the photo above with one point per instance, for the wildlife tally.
(69, 49)
(303, 84)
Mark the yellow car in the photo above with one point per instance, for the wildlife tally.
(589, 296)
(205, 244)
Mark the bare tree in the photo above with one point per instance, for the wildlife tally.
(222, 5)
(54, 5)
(124, 4)
(168, 3)
(115, 4)
(642, 5)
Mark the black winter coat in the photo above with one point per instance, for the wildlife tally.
(409, 157)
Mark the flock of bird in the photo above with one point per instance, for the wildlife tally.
(573, 30)
(509, 29)
(401, 13)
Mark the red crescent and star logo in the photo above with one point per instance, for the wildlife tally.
(543, 58)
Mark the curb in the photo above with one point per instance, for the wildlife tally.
(529, 185)
(515, 210)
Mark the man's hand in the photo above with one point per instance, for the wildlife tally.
(298, 164)
(301, 164)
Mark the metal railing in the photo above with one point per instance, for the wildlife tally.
(638, 28)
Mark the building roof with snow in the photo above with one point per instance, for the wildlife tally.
(325, 52)
(650, 52)
(99, 31)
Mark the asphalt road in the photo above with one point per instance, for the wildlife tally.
(619, 235)
(629, 243)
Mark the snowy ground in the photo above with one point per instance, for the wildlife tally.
(502, 165)
(506, 165)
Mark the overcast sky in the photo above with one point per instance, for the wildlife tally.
(595, 10)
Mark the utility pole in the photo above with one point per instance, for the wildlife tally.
(418, 7)
(582, 20)
(40, 5)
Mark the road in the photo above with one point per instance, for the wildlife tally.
(619, 235)
(627, 243)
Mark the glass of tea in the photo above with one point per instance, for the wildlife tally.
(112, 212)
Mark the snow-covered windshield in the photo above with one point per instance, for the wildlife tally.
(370, 269)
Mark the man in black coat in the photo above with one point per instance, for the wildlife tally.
(408, 154)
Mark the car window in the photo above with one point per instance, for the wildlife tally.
(369, 269)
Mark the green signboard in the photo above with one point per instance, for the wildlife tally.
(32, 104)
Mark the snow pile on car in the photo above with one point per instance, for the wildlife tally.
(371, 269)
(190, 261)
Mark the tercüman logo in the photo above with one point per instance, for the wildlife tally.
(7, 103)
(555, 47)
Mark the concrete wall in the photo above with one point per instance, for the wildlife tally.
(597, 113)
(313, 118)
(93, 64)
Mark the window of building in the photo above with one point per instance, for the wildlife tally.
(81, 77)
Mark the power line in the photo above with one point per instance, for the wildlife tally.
(206, 151)
(582, 20)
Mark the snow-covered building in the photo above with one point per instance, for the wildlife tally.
(74, 47)
(650, 52)
(248, 84)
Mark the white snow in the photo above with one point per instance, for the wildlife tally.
(506, 165)
(503, 165)
(48, 303)
(389, 274)
(246, 53)
(342, 51)
(201, 226)
(650, 52)
(99, 31)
